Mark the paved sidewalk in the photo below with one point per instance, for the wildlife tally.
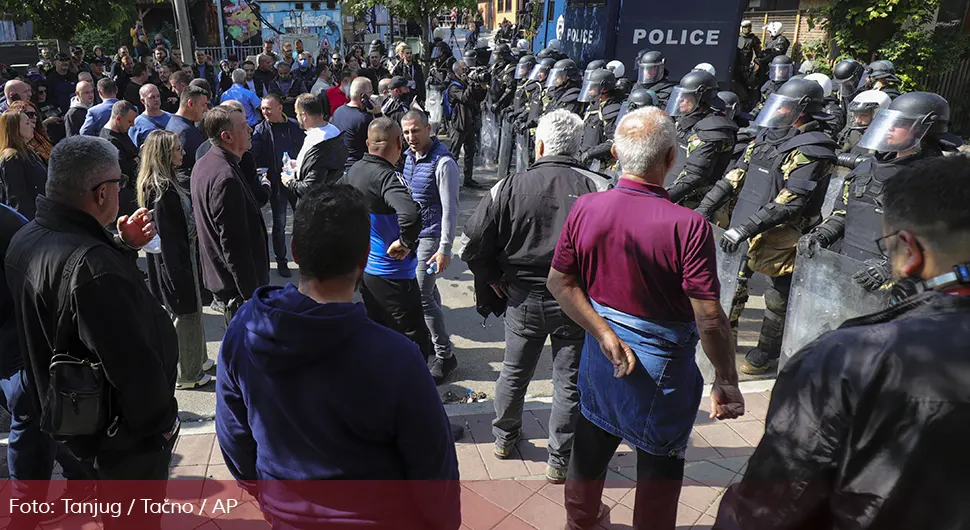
(512, 494)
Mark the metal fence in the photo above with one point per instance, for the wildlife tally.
(954, 86)
(241, 52)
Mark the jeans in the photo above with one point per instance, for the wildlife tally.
(659, 479)
(278, 201)
(434, 317)
(529, 319)
(396, 304)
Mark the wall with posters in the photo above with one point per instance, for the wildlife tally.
(313, 20)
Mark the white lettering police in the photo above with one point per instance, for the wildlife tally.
(580, 36)
(697, 37)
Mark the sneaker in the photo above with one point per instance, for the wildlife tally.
(503, 450)
(442, 368)
(457, 431)
(204, 380)
(209, 364)
(556, 475)
(757, 362)
(283, 269)
(472, 183)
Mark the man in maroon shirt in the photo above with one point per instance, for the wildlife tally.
(651, 290)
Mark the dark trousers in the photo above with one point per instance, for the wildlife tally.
(396, 304)
(659, 479)
(146, 460)
(776, 308)
(278, 202)
(464, 140)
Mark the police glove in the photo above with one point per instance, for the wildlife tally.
(732, 239)
(808, 244)
(875, 273)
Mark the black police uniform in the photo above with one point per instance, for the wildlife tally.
(600, 126)
(707, 143)
(662, 87)
(565, 97)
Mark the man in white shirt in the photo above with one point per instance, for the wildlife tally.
(321, 160)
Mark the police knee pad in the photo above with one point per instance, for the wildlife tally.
(775, 301)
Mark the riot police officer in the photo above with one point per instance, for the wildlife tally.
(862, 111)
(502, 89)
(781, 182)
(732, 108)
(653, 76)
(744, 80)
(780, 71)
(442, 60)
(535, 93)
(836, 121)
(599, 91)
(776, 44)
(563, 88)
(638, 99)
(914, 127)
(705, 138)
(520, 103)
(881, 75)
(846, 77)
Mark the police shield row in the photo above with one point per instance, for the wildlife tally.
(770, 178)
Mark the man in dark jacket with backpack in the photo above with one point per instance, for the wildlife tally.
(464, 104)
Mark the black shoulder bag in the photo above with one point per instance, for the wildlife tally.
(76, 403)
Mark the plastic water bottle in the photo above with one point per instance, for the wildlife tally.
(433, 268)
(287, 170)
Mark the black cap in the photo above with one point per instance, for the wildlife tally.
(61, 56)
(97, 60)
(397, 82)
(76, 49)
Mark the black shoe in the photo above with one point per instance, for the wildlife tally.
(757, 362)
(442, 368)
(457, 431)
(472, 183)
(283, 269)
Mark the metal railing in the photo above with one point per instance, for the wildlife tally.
(241, 52)
(954, 86)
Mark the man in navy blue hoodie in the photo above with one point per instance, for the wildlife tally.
(310, 388)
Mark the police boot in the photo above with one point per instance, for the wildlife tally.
(761, 358)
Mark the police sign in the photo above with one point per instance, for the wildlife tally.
(697, 37)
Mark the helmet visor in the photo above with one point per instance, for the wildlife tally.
(780, 72)
(681, 101)
(471, 61)
(436, 52)
(891, 130)
(522, 70)
(860, 116)
(780, 111)
(650, 73)
(590, 90)
(557, 76)
(539, 73)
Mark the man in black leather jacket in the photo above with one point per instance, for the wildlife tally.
(321, 161)
(867, 426)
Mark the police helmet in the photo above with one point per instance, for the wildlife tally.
(908, 119)
(546, 53)
(617, 68)
(471, 58)
(641, 98)
(707, 67)
(597, 83)
(623, 86)
(651, 65)
(781, 68)
(696, 88)
(523, 46)
(595, 65)
(441, 51)
(377, 45)
(846, 70)
(791, 100)
(730, 101)
(881, 70)
(555, 45)
(563, 71)
(823, 81)
(865, 107)
(525, 66)
(540, 72)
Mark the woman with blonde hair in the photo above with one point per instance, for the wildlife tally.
(22, 173)
(39, 144)
(173, 272)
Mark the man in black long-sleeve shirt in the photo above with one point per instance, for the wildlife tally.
(466, 100)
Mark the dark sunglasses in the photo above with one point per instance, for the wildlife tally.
(121, 182)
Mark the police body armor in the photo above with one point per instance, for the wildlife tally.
(502, 79)
(759, 186)
(662, 88)
(596, 120)
(863, 209)
(710, 129)
(564, 98)
(849, 139)
(685, 131)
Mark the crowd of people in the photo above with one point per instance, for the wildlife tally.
(651, 186)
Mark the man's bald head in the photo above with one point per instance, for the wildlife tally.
(16, 90)
(84, 92)
(384, 139)
(361, 88)
(645, 144)
(86, 76)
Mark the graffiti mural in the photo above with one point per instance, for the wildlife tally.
(242, 24)
(324, 24)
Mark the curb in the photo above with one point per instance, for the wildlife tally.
(194, 428)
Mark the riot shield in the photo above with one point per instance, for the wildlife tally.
(678, 166)
(490, 137)
(823, 296)
(522, 157)
(433, 104)
(505, 145)
(728, 268)
(832, 194)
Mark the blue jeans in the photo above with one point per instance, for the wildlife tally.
(30, 452)
(434, 317)
(277, 202)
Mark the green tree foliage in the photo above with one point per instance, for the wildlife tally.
(63, 19)
(905, 32)
(417, 10)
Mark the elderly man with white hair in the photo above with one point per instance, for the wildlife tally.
(639, 274)
(249, 100)
(511, 239)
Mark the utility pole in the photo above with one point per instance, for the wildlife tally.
(184, 30)
(222, 28)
